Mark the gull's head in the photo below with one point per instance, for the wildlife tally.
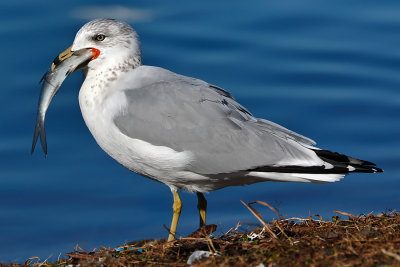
(114, 45)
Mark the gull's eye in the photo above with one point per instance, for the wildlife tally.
(99, 37)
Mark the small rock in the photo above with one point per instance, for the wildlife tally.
(330, 235)
(367, 230)
(198, 255)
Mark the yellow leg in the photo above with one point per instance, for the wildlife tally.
(202, 206)
(176, 207)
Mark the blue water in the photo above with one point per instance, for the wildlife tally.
(330, 71)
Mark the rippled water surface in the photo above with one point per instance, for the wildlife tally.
(329, 71)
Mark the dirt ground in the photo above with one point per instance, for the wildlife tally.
(346, 240)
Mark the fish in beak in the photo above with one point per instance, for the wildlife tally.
(63, 65)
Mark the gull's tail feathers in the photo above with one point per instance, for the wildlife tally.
(298, 177)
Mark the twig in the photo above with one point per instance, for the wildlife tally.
(169, 232)
(193, 238)
(237, 226)
(44, 262)
(391, 254)
(283, 232)
(351, 216)
(303, 220)
(317, 215)
(267, 205)
(29, 261)
(80, 255)
(258, 216)
(211, 245)
(277, 213)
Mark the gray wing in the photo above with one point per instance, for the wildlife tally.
(187, 114)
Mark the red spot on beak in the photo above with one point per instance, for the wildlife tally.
(96, 53)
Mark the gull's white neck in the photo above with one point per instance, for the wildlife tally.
(102, 71)
(107, 66)
(96, 86)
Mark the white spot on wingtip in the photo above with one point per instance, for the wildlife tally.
(328, 165)
(350, 168)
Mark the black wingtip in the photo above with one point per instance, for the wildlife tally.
(342, 164)
(376, 169)
(337, 159)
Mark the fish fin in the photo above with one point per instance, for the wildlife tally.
(43, 77)
(43, 138)
(35, 137)
(39, 132)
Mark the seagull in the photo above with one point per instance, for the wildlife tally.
(184, 132)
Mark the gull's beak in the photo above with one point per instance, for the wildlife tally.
(61, 57)
(67, 53)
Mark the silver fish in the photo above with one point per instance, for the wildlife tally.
(63, 65)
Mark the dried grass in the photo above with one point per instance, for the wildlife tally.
(366, 240)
